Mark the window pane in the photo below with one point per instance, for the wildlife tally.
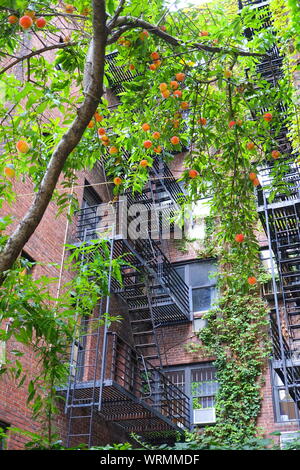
(203, 387)
(3, 429)
(202, 298)
(177, 377)
(199, 274)
(287, 410)
(181, 271)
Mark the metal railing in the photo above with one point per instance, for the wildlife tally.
(145, 382)
(287, 188)
(118, 74)
(92, 224)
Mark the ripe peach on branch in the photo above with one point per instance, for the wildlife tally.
(117, 181)
(180, 76)
(147, 144)
(239, 237)
(193, 174)
(145, 127)
(41, 22)
(202, 121)
(25, 22)
(22, 146)
(175, 140)
(9, 171)
(12, 19)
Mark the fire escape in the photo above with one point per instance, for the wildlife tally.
(122, 380)
(280, 217)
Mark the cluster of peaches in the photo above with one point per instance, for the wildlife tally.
(29, 18)
(22, 147)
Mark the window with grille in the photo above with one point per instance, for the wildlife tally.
(89, 218)
(200, 384)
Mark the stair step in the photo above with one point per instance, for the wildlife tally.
(150, 332)
(136, 297)
(290, 274)
(290, 245)
(138, 309)
(292, 299)
(159, 296)
(151, 357)
(133, 286)
(146, 345)
(141, 321)
(295, 260)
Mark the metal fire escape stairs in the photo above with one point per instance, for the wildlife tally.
(280, 217)
(125, 383)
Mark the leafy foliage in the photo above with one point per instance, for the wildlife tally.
(47, 325)
(217, 83)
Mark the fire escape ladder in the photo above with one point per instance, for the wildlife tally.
(82, 399)
(84, 390)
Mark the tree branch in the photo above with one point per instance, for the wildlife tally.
(37, 52)
(118, 11)
(69, 141)
(129, 22)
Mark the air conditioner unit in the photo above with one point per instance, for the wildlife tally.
(205, 416)
(289, 436)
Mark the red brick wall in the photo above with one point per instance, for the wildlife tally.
(46, 246)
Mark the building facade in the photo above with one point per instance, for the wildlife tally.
(139, 375)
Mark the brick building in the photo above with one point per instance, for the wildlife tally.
(138, 375)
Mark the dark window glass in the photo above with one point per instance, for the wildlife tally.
(284, 403)
(27, 263)
(3, 430)
(202, 298)
(199, 274)
(202, 282)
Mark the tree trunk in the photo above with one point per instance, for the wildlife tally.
(93, 92)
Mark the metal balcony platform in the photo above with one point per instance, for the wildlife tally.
(123, 407)
(133, 394)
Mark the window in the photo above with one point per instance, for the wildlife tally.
(3, 429)
(200, 384)
(196, 228)
(199, 276)
(285, 406)
(2, 353)
(3, 343)
(79, 349)
(27, 262)
(89, 218)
